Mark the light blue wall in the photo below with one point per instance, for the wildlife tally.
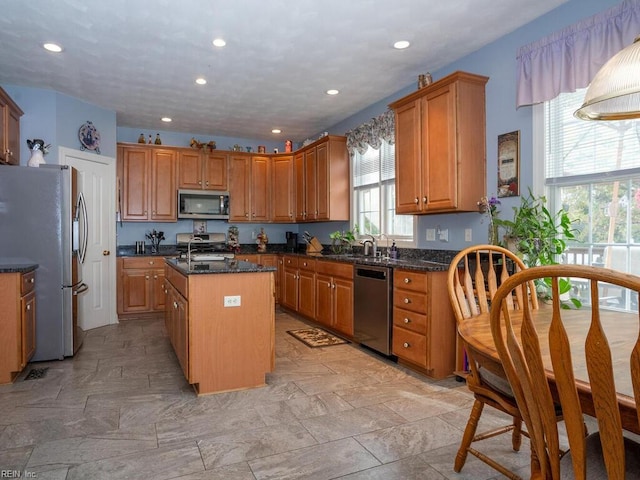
(56, 118)
(497, 61)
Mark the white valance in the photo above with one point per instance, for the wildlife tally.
(569, 59)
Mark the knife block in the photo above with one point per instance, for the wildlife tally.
(314, 246)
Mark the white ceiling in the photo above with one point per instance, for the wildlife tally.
(140, 58)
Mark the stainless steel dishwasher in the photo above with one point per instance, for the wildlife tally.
(372, 319)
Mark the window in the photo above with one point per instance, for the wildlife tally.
(374, 195)
(593, 170)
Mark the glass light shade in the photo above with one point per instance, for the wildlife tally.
(614, 93)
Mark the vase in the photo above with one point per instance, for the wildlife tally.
(37, 158)
(493, 234)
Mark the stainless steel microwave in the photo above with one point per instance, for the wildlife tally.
(203, 204)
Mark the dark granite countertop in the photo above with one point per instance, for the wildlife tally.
(219, 266)
(8, 265)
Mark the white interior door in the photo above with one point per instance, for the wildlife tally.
(97, 181)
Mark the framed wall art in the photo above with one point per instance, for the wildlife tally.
(509, 164)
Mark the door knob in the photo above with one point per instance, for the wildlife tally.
(106, 253)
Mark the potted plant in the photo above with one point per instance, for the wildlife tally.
(539, 236)
(341, 241)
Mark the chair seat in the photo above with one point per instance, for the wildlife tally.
(595, 461)
(496, 382)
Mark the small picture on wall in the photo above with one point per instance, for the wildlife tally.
(199, 226)
(509, 164)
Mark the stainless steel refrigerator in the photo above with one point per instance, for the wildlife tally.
(43, 220)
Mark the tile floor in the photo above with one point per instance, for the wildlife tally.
(121, 409)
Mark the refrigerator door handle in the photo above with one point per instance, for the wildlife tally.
(80, 244)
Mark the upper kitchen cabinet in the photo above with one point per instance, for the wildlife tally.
(147, 182)
(10, 115)
(321, 172)
(249, 188)
(440, 146)
(282, 189)
(199, 170)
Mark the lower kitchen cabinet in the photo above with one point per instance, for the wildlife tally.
(176, 318)
(17, 323)
(424, 328)
(298, 289)
(334, 296)
(140, 285)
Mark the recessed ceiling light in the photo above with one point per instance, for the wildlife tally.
(52, 47)
(401, 44)
(166, 119)
(276, 130)
(218, 42)
(333, 91)
(201, 81)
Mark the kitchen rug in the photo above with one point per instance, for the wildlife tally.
(316, 337)
(37, 373)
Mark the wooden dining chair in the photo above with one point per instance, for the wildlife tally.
(531, 355)
(473, 278)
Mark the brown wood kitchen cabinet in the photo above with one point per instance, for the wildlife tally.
(298, 288)
(176, 316)
(424, 328)
(147, 181)
(282, 189)
(440, 146)
(140, 285)
(249, 188)
(17, 323)
(321, 172)
(10, 115)
(199, 170)
(334, 295)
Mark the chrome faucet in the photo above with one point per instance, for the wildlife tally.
(386, 256)
(192, 238)
(371, 242)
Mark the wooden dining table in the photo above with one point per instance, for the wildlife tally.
(622, 332)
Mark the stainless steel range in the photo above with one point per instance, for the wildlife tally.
(203, 247)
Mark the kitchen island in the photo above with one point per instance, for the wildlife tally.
(220, 317)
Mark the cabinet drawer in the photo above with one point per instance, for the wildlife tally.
(416, 322)
(291, 262)
(410, 346)
(179, 281)
(409, 280)
(414, 301)
(142, 262)
(28, 282)
(335, 269)
(308, 264)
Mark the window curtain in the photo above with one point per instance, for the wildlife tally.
(372, 133)
(569, 59)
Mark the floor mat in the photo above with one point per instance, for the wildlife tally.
(37, 373)
(316, 337)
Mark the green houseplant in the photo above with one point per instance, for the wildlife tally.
(341, 241)
(539, 236)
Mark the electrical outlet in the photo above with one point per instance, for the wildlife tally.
(444, 235)
(232, 300)
(467, 234)
(431, 234)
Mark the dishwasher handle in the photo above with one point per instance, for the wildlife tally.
(380, 274)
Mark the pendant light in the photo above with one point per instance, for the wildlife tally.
(614, 93)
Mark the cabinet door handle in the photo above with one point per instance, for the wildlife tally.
(333, 285)
(146, 277)
(416, 200)
(406, 344)
(406, 300)
(32, 280)
(424, 199)
(150, 262)
(199, 182)
(175, 305)
(207, 183)
(155, 277)
(29, 307)
(406, 320)
(246, 215)
(407, 280)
